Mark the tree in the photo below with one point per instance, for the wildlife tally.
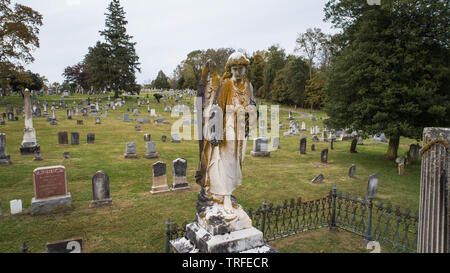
(32, 81)
(256, 71)
(19, 30)
(113, 64)
(161, 81)
(392, 71)
(314, 91)
(289, 84)
(78, 74)
(276, 59)
(310, 43)
(187, 73)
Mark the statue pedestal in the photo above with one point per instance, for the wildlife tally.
(199, 240)
(29, 143)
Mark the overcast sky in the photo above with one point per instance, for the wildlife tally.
(167, 30)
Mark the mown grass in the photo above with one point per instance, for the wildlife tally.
(136, 221)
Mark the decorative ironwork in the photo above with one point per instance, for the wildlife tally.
(390, 226)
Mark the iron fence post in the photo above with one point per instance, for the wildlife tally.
(369, 222)
(333, 227)
(263, 220)
(168, 223)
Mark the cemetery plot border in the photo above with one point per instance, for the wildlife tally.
(391, 227)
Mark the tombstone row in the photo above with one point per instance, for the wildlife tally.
(63, 138)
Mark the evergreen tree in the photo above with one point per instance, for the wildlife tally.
(161, 81)
(392, 71)
(117, 71)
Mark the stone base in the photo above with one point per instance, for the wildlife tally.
(180, 186)
(200, 240)
(130, 155)
(160, 185)
(151, 155)
(100, 203)
(5, 161)
(260, 154)
(156, 190)
(30, 150)
(50, 205)
(175, 141)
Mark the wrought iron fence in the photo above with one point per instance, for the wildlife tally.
(381, 222)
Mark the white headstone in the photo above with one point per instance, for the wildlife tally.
(16, 206)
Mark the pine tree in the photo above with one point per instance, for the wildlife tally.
(117, 71)
(161, 81)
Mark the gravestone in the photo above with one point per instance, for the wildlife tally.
(303, 126)
(175, 138)
(179, 174)
(125, 117)
(38, 156)
(313, 147)
(159, 178)
(163, 138)
(318, 179)
(15, 206)
(74, 245)
(63, 138)
(324, 136)
(353, 145)
(100, 190)
(4, 158)
(79, 122)
(147, 137)
(137, 128)
(360, 140)
(97, 120)
(379, 138)
(69, 113)
(276, 143)
(74, 138)
(324, 156)
(90, 138)
(351, 171)
(413, 153)
(50, 190)
(315, 138)
(332, 144)
(152, 112)
(130, 150)
(260, 147)
(151, 150)
(400, 164)
(303, 145)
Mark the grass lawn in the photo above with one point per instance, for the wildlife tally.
(136, 220)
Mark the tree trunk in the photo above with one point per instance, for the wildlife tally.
(116, 94)
(394, 142)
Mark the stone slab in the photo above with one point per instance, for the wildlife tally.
(51, 205)
(100, 203)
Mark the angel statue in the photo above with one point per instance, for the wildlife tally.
(230, 112)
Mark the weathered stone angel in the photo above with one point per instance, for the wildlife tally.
(232, 111)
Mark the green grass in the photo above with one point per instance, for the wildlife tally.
(136, 221)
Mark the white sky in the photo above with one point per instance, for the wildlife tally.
(167, 30)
